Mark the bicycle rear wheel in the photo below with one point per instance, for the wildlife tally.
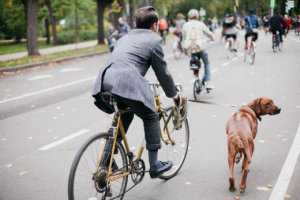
(252, 56)
(81, 184)
(175, 152)
(197, 88)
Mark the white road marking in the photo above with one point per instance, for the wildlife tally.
(287, 170)
(9, 165)
(40, 77)
(22, 173)
(263, 188)
(47, 90)
(188, 183)
(225, 64)
(63, 140)
(71, 70)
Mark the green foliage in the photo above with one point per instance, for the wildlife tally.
(213, 7)
(12, 20)
(67, 37)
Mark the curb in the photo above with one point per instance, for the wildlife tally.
(59, 60)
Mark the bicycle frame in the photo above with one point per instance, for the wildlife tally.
(118, 128)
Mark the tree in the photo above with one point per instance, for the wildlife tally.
(31, 11)
(52, 20)
(101, 5)
(12, 20)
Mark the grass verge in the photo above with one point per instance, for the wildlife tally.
(54, 57)
(8, 47)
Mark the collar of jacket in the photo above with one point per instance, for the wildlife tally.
(140, 30)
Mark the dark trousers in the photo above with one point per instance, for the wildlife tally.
(149, 117)
(204, 56)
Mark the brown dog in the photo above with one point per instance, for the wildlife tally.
(241, 131)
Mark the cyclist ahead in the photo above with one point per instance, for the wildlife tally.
(251, 25)
(230, 29)
(123, 76)
(277, 25)
(194, 33)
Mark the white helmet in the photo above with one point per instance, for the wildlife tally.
(193, 13)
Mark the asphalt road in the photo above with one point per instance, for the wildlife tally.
(52, 105)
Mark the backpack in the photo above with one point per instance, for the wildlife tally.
(252, 22)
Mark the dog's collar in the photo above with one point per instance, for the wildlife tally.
(249, 109)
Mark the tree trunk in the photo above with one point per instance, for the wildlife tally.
(47, 31)
(100, 18)
(131, 13)
(52, 21)
(32, 34)
(76, 22)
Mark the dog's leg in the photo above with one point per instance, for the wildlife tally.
(246, 163)
(231, 159)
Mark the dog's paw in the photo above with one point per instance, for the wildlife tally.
(232, 188)
(242, 190)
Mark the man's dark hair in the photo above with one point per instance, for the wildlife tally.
(145, 17)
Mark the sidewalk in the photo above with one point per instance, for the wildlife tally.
(7, 57)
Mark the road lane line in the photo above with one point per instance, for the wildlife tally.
(63, 140)
(70, 70)
(47, 90)
(287, 170)
(40, 77)
(225, 64)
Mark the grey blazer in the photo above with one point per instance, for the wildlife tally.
(123, 74)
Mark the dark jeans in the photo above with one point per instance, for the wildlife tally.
(149, 117)
(281, 32)
(204, 56)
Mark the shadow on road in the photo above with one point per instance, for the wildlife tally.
(202, 101)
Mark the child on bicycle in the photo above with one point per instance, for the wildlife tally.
(123, 76)
(194, 33)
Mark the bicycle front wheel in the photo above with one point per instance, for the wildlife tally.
(175, 152)
(81, 183)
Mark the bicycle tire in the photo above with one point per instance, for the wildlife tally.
(197, 88)
(76, 162)
(176, 165)
(252, 57)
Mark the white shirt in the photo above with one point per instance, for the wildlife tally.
(194, 34)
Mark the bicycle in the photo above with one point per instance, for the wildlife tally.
(177, 49)
(249, 55)
(108, 162)
(198, 83)
(229, 45)
(276, 42)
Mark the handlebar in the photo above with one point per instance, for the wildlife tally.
(155, 87)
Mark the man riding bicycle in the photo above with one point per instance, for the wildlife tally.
(194, 32)
(230, 30)
(277, 25)
(251, 25)
(123, 76)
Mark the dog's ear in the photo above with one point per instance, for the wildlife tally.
(256, 107)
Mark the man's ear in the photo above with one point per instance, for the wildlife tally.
(154, 27)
